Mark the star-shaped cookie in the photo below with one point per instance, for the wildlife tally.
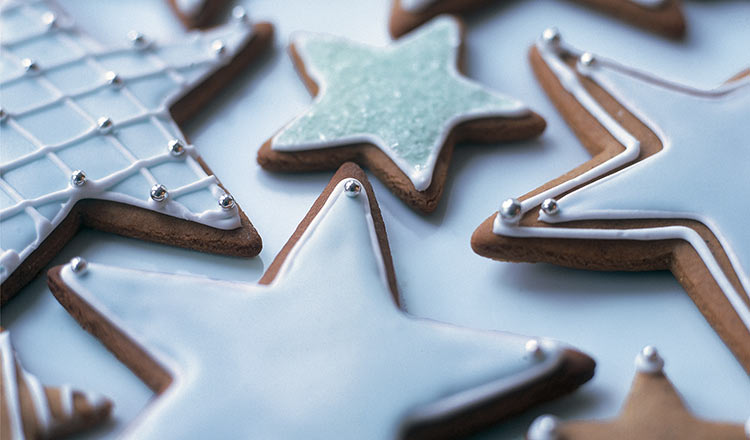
(665, 189)
(33, 411)
(661, 16)
(397, 110)
(319, 349)
(89, 137)
(652, 410)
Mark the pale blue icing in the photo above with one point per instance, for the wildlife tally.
(404, 98)
(701, 174)
(322, 352)
(51, 113)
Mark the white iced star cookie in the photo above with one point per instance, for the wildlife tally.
(661, 16)
(319, 349)
(31, 410)
(664, 190)
(89, 136)
(397, 110)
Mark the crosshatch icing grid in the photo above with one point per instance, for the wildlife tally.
(79, 120)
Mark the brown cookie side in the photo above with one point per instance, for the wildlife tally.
(486, 130)
(666, 19)
(574, 369)
(203, 16)
(402, 21)
(148, 225)
(629, 255)
(347, 170)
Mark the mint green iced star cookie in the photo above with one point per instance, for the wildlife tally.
(408, 99)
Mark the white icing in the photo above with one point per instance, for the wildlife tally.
(404, 98)
(321, 352)
(50, 128)
(688, 179)
(190, 7)
(416, 6)
(11, 387)
(39, 401)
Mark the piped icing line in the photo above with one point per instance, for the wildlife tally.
(551, 53)
(14, 375)
(59, 29)
(350, 292)
(652, 4)
(419, 173)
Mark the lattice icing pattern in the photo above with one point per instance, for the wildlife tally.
(80, 120)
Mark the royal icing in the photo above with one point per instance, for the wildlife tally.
(420, 5)
(404, 98)
(69, 104)
(12, 376)
(688, 179)
(321, 352)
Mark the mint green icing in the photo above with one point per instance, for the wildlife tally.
(404, 98)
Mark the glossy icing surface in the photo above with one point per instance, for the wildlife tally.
(404, 98)
(53, 114)
(610, 315)
(322, 352)
(685, 180)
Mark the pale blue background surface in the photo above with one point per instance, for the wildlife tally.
(608, 315)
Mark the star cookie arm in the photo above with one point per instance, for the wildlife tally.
(197, 13)
(31, 410)
(89, 136)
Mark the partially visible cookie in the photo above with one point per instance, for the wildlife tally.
(652, 410)
(320, 349)
(397, 110)
(665, 189)
(197, 13)
(31, 410)
(90, 138)
(660, 16)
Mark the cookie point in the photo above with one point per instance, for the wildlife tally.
(3, 115)
(544, 427)
(226, 201)
(649, 360)
(550, 206)
(534, 349)
(510, 210)
(78, 265)
(352, 188)
(78, 178)
(159, 193)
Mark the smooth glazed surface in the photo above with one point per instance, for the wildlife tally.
(321, 352)
(405, 98)
(609, 315)
(102, 110)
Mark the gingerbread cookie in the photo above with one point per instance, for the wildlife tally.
(397, 110)
(653, 410)
(320, 349)
(31, 410)
(90, 137)
(197, 13)
(660, 16)
(663, 191)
